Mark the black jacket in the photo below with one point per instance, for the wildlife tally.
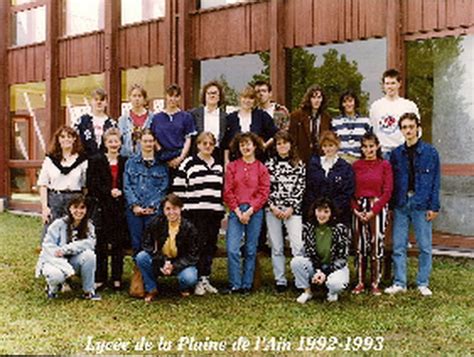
(106, 210)
(85, 128)
(187, 244)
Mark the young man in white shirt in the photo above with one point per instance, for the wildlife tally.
(385, 112)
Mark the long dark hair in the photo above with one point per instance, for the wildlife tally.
(55, 150)
(349, 94)
(306, 101)
(293, 154)
(371, 137)
(82, 229)
(322, 202)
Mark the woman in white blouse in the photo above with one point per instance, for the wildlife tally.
(62, 174)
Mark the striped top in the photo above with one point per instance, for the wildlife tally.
(199, 186)
(350, 131)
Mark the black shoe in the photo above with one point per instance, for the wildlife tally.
(245, 291)
(230, 291)
(281, 288)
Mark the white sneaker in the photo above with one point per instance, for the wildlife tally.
(425, 291)
(199, 289)
(332, 297)
(304, 298)
(395, 289)
(65, 288)
(207, 285)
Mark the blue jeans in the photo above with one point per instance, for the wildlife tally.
(235, 233)
(403, 216)
(187, 278)
(136, 227)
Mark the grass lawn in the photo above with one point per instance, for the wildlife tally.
(408, 324)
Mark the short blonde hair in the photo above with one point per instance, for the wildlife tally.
(248, 92)
(329, 136)
(206, 134)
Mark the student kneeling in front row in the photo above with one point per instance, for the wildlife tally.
(326, 250)
(170, 247)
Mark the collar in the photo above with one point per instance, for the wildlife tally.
(206, 110)
(328, 161)
(417, 146)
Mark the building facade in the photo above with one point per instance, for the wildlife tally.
(54, 52)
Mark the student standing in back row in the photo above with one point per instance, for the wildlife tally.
(133, 123)
(92, 126)
(385, 113)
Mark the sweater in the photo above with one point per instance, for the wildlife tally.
(246, 183)
(373, 178)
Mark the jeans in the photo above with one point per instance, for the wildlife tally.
(57, 203)
(303, 271)
(136, 227)
(294, 227)
(83, 263)
(239, 279)
(403, 216)
(187, 278)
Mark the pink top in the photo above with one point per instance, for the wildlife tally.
(373, 178)
(246, 183)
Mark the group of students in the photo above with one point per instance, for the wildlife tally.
(166, 179)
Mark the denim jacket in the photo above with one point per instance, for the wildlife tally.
(57, 238)
(427, 177)
(125, 126)
(145, 186)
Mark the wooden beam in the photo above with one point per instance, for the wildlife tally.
(53, 82)
(395, 49)
(170, 53)
(113, 83)
(184, 48)
(4, 99)
(278, 61)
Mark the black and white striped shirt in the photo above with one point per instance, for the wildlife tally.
(199, 186)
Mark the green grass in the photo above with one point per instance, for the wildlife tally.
(409, 324)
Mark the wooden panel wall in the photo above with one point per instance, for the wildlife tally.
(81, 55)
(26, 64)
(233, 30)
(142, 44)
(316, 22)
(421, 16)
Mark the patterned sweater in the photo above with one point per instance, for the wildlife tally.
(287, 184)
(339, 246)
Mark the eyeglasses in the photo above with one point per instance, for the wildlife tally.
(206, 143)
(212, 93)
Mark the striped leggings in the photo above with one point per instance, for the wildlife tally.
(369, 239)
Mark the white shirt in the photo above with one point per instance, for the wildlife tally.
(271, 109)
(385, 115)
(328, 163)
(245, 121)
(98, 124)
(212, 122)
(52, 178)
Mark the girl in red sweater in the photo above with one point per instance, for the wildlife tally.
(374, 184)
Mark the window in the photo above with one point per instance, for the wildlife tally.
(205, 4)
(28, 141)
(83, 16)
(337, 68)
(141, 10)
(440, 79)
(76, 95)
(151, 78)
(234, 73)
(29, 26)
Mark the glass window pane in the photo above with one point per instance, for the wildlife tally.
(337, 68)
(28, 121)
(29, 26)
(234, 73)
(151, 78)
(23, 184)
(141, 10)
(83, 16)
(75, 95)
(440, 79)
(205, 4)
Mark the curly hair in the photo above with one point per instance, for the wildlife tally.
(248, 136)
(219, 88)
(306, 101)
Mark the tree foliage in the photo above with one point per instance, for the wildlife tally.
(231, 95)
(335, 75)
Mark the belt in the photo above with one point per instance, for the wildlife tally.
(57, 192)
